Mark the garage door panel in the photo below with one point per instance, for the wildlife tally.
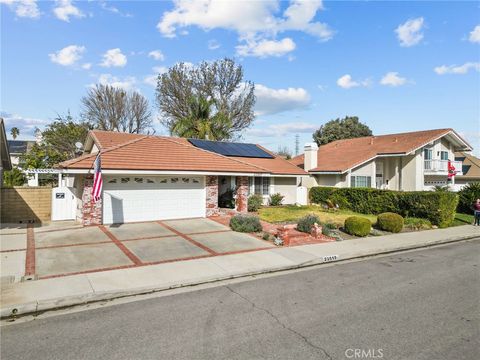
(132, 201)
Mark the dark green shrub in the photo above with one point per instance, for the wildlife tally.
(305, 223)
(276, 199)
(438, 207)
(255, 201)
(358, 226)
(327, 228)
(226, 200)
(245, 223)
(320, 194)
(467, 197)
(266, 236)
(390, 222)
(417, 223)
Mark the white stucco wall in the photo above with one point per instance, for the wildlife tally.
(287, 186)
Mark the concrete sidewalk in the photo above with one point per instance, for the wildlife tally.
(33, 296)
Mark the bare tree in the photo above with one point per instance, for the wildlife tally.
(113, 109)
(220, 82)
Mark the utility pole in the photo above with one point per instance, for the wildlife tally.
(297, 144)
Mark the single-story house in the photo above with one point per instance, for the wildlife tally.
(149, 177)
(5, 154)
(407, 161)
(470, 170)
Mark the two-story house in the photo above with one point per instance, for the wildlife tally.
(407, 161)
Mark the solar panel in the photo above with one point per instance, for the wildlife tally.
(231, 149)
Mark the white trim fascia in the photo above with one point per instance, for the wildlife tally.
(326, 172)
(157, 172)
(451, 132)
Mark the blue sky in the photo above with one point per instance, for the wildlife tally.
(399, 66)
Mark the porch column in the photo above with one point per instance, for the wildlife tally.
(242, 194)
(91, 211)
(211, 187)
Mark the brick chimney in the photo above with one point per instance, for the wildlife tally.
(310, 160)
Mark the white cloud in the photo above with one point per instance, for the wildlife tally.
(347, 82)
(157, 55)
(393, 79)
(87, 66)
(213, 44)
(26, 125)
(280, 130)
(265, 48)
(253, 20)
(114, 57)
(410, 32)
(152, 79)
(23, 8)
(67, 56)
(125, 83)
(108, 7)
(65, 9)
(274, 101)
(457, 69)
(475, 35)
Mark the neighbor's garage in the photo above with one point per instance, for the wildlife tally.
(140, 198)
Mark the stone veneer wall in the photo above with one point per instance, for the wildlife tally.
(242, 194)
(91, 211)
(211, 185)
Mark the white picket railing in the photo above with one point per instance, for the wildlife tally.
(441, 166)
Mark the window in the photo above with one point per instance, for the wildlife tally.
(163, 180)
(361, 181)
(196, 180)
(112, 181)
(124, 180)
(427, 154)
(174, 180)
(138, 180)
(444, 155)
(261, 185)
(185, 180)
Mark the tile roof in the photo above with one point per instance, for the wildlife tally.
(471, 166)
(122, 151)
(341, 155)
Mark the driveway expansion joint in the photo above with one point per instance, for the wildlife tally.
(133, 258)
(272, 315)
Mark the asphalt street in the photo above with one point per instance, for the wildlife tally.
(422, 304)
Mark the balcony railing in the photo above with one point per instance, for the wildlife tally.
(441, 166)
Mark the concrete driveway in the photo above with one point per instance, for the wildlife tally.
(29, 252)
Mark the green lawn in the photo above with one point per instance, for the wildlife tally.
(283, 214)
(462, 219)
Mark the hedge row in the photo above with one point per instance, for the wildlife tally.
(438, 207)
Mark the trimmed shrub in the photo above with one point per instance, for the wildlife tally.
(358, 226)
(390, 222)
(276, 199)
(305, 223)
(245, 223)
(438, 207)
(417, 223)
(255, 201)
(467, 197)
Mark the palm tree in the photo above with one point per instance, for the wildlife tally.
(15, 132)
(201, 124)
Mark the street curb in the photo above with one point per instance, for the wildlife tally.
(37, 307)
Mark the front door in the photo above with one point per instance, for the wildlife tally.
(379, 176)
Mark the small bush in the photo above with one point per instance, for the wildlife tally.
(327, 228)
(266, 236)
(276, 199)
(467, 197)
(358, 226)
(390, 222)
(305, 223)
(255, 201)
(417, 223)
(245, 223)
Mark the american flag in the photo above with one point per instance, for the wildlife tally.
(97, 179)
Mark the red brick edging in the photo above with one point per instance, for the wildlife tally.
(30, 252)
(121, 246)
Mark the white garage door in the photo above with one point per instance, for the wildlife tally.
(136, 198)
